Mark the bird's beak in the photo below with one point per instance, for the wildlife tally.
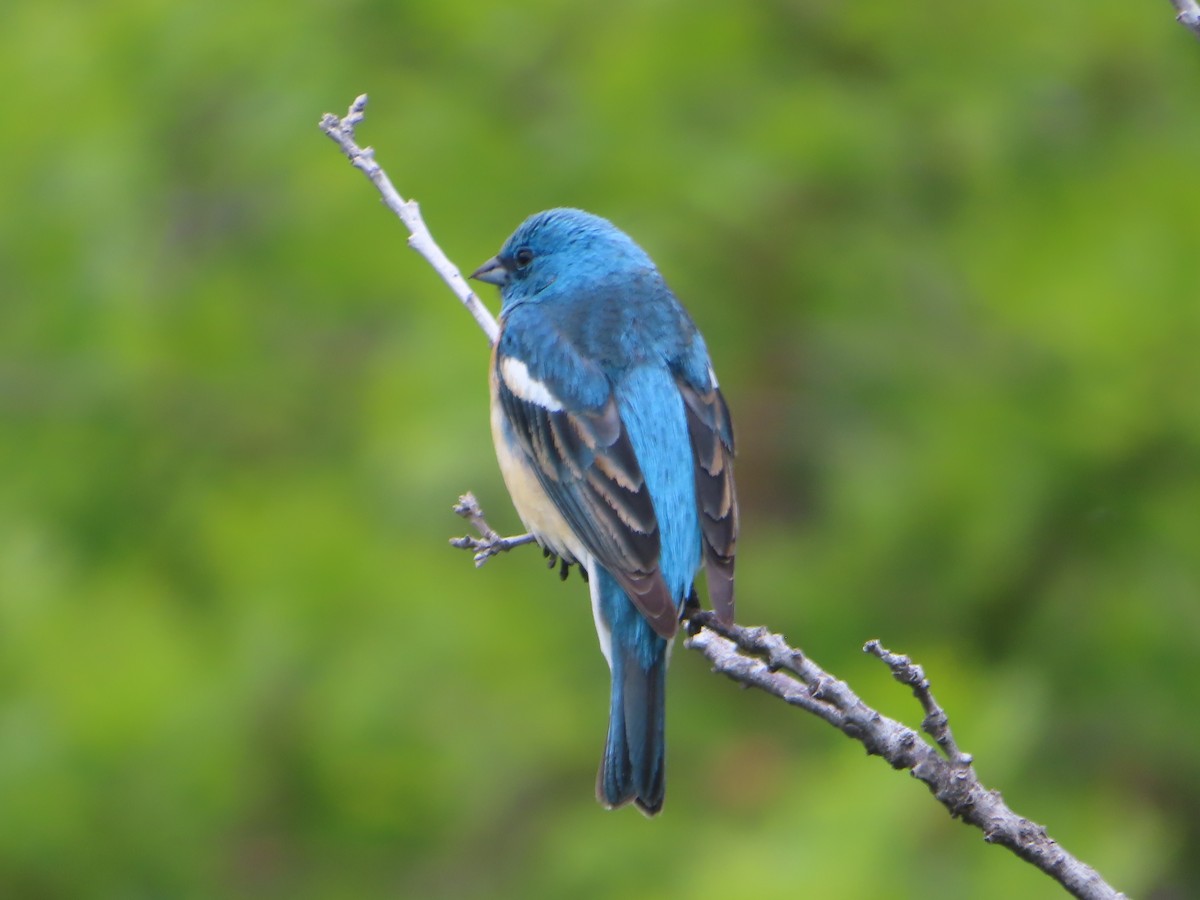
(493, 272)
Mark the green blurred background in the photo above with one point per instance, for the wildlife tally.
(945, 256)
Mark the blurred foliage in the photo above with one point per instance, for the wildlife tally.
(945, 258)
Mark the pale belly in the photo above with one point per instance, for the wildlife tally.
(538, 513)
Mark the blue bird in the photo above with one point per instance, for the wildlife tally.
(617, 449)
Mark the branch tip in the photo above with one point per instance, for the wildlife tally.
(1187, 14)
(341, 132)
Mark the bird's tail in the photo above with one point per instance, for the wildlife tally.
(634, 761)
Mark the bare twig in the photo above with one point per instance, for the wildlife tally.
(758, 658)
(489, 542)
(1187, 13)
(935, 723)
(341, 131)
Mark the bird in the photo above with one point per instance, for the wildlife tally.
(616, 446)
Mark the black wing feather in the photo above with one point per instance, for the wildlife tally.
(711, 435)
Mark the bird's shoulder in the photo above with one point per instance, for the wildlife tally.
(608, 323)
(540, 362)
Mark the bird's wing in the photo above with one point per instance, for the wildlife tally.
(711, 433)
(585, 462)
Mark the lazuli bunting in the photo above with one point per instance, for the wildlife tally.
(617, 449)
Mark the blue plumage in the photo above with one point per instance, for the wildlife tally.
(617, 449)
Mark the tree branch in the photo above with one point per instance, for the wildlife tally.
(341, 131)
(758, 658)
(1188, 15)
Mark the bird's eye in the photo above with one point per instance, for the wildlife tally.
(523, 257)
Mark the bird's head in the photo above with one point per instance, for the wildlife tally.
(568, 248)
